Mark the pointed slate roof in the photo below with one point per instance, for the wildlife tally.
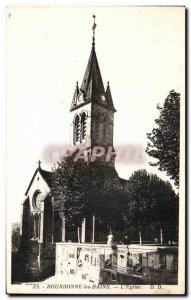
(92, 87)
(47, 175)
(109, 98)
(75, 97)
(93, 76)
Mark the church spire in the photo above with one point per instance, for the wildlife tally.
(92, 88)
(92, 84)
(92, 77)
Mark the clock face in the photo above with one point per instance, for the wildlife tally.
(103, 97)
(38, 200)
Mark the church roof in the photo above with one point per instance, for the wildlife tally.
(109, 97)
(47, 176)
(92, 88)
(92, 84)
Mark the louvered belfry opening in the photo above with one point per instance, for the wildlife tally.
(76, 129)
(83, 126)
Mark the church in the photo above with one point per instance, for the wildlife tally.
(46, 246)
(92, 118)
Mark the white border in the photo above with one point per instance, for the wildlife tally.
(2, 88)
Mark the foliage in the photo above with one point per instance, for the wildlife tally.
(15, 237)
(150, 199)
(81, 189)
(165, 138)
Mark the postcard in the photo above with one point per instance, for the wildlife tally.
(95, 150)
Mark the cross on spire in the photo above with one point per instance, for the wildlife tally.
(39, 164)
(92, 85)
(93, 28)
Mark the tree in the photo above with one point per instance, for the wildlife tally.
(15, 237)
(114, 200)
(69, 190)
(151, 200)
(82, 189)
(165, 138)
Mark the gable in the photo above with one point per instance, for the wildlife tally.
(46, 175)
(41, 180)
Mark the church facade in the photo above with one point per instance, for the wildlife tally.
(40, 228)
(92, 117)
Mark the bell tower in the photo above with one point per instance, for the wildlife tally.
(92, 109)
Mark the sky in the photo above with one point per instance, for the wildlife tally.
(140, 51)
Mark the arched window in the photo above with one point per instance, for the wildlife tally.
(83, 126)
(37, 200)
(105, 128)
(36, 226)
(76, 131)
(98, 127)
(31, 226)
(35, 221)
(35, 216)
